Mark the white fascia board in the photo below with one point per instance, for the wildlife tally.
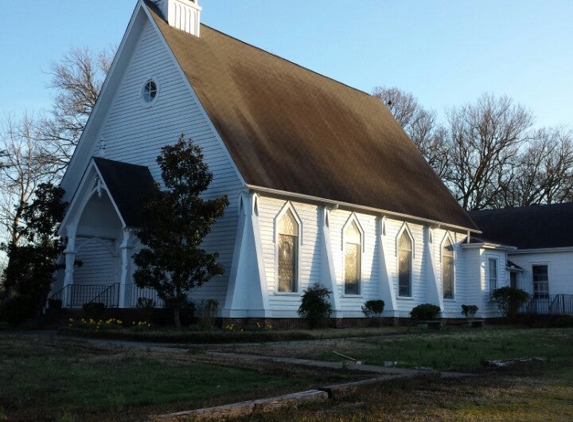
(94, 126)
(193, 95)
(488, 245)
(80, 195)
(356, 207)
(542, 250)
(73, 203)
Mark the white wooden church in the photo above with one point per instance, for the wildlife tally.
(324, 185)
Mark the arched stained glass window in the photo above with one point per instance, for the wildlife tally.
(448, 270)
(352, 259)
(288, 229)
(405, 265)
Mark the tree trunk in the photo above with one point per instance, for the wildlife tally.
(176, 318)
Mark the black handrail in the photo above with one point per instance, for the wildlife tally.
(561, 304)
(109, 295)
(76, 295)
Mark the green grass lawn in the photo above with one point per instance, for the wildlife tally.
(54, 379)
(459, 349)
(66, 380)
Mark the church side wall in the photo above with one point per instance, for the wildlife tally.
(285, 305)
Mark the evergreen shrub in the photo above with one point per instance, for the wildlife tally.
(315, 307)
(509, 300)
(425, 312)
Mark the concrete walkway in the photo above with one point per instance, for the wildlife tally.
(242, 409)
(382, 370)
(325, 364)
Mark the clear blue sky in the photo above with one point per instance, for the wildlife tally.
(445, 52)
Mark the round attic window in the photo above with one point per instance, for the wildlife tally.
(149, 92)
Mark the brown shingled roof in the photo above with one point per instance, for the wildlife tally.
(291, 129)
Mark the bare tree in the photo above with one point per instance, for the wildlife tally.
(488, 154)
(401, 104)
(484, 141)
(420, 125)
(23, 166)
(35, 150)
(78, 79)
(543, 172)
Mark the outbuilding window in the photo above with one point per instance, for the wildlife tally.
(540, 281)
(492, 274)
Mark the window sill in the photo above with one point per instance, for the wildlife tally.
(404, 298)
(352, 296)
(287, 294)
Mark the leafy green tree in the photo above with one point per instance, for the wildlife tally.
(177, 220)
(33, 262)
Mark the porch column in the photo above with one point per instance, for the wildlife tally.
(126, 253)
(70, 258)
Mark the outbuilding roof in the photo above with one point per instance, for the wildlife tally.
(290, 129)
(533, 227)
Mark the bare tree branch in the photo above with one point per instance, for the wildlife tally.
(78, 79)
(23, 167)
(419, 124)
(484, 139)
(543, 173)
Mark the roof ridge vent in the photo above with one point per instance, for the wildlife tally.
(182, 14)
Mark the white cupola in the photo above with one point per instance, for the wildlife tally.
(182, 14)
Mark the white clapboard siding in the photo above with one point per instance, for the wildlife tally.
(477, 282)
(451, 307)
(286, 304)
(351, 305)
(490, 308)
(394, 228)
(100, 265)
(559, 267)
(473, 275)
(135, 134)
